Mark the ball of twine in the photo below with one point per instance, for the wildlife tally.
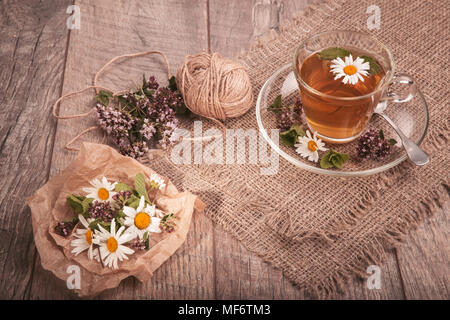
(214, 87)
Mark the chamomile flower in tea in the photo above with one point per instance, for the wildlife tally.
(101, 191)
(344, 83)
(351, 70)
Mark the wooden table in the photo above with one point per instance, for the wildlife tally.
(41, 59)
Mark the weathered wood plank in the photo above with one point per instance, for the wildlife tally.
(424, 259)
(240, 274)
(31, 68)
(32, 64)
(177, 28)
(243, 275)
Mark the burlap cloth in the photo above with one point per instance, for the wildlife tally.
(320, 230)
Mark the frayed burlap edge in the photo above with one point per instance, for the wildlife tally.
(375, 253)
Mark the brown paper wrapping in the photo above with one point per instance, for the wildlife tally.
(48, 206)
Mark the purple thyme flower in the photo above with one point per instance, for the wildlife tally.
(148, 130)
(101, 210)
(372, 145)
(290, 115)
(121, 197)
(141, 117)
(64, 228)
(138, 244)
(151, 83)
(383, 150)
(116, 123)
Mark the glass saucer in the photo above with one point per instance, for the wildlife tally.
(411, 117)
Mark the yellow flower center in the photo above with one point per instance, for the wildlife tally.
(103, 194)
(350, 70)
(154, 185)
(111, 244)
(312, 145)
(89, 236)
(142, 220)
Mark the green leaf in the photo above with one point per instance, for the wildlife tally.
(132, 199)
(392, 141)
(147, 243)
(76, 203)
(173, 84)
(122, 101)
(333, 53)
(119, 222)
(336, 161)
(345, 157)
(98, 222)
(298, 129)
(133, 202)
(333, 159)
(325, 162)
(86, 204)
(94, 224)
(289, 137)
(139, 185)
(122, 187)
(374, 66)
(381, 134)
(120, 214)
(275, 107)
(103, 97)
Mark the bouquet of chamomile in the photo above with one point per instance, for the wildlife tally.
(113, 220)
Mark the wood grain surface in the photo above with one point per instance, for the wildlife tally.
(32, 57)
(41, 59)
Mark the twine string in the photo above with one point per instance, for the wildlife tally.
(212, 87)
(82, 133)
(55, 109)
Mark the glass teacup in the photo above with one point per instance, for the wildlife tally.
(338, 106)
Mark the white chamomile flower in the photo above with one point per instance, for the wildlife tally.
(308, 146)
(142, 219)
(101, 190)
(350, 69)
(84, 240)
(156, 182)
(111, 244)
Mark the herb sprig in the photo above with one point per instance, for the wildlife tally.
(140, 118)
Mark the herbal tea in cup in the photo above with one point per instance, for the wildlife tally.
(342, 75)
